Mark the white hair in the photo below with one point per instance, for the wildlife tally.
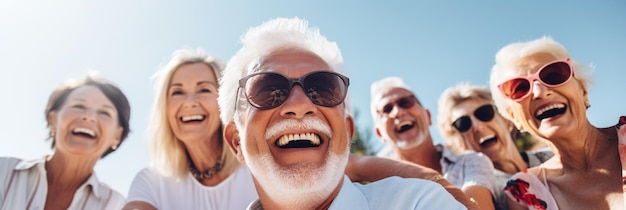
(276, 34)
(518, 50)
(381, 86)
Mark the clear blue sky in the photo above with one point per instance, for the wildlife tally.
(432, 44)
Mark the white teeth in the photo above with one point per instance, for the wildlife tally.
(485, 139)
(285, 139)
(192, 117)
(408, 123)
(85, 131)
(553, 106)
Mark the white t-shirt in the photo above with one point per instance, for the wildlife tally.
(235, 192)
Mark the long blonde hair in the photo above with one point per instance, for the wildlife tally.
(168, 155)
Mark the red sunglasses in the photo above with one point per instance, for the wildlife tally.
(553, 74)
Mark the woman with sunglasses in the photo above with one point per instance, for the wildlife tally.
(468, 120)
(88, 119)
(192, 167)
(543, 91)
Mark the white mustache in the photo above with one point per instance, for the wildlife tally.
(304, 124)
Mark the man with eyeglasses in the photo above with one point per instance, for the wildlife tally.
(282, 101)
(402, 121)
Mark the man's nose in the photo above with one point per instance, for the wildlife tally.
(298, 104)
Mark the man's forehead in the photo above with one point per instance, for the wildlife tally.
(392, 93)
(291, 58)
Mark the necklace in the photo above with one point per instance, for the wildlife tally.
(207, 173)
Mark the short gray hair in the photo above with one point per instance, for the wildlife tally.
(382, 85)
(276, 34)
(518, 50)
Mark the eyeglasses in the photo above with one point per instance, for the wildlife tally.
(404, 102)
(268, 90)
(553, 74)
(484, 113)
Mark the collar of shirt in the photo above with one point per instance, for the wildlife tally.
(92, 183)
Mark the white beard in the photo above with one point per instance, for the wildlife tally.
(304, 185)
(411, 143)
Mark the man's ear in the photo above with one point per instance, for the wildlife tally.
(350, 124)
(430, 121)
(231, 136)
(380, 136)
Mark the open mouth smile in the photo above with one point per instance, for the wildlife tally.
(488, 141)
(84, 132)
(404, 126)
(303, 140)
(192, 118)
(550, 111)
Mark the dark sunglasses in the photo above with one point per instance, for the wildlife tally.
(484, 113)
(404, 102)
(268, 90)
(553, 74)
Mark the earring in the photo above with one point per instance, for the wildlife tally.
(114, 147)
(587, 104)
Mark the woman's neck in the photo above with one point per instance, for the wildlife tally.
(512, 164)
(206, 155)
(581, 150)
(64, 172)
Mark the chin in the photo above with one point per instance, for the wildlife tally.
(302, 184)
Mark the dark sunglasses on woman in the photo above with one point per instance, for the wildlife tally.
(268, 90)
(483, 113)
(553, 74)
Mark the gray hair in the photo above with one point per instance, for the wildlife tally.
(518, 50)
(276, 34)
(382, 85)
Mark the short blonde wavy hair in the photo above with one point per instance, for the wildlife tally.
(450, 98)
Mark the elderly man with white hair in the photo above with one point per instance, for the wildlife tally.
(282, 102)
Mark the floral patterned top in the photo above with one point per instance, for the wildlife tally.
(533, 192)
(530, 191)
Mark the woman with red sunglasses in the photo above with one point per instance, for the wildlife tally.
(543, 91)
(468, 121)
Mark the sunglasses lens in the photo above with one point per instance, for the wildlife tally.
(325, 89)
(462, 124)
(485, 113)
(266, 91)
(555, 73)
(406, 102)
(387, 108)
(516, 88)
(270, 90)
